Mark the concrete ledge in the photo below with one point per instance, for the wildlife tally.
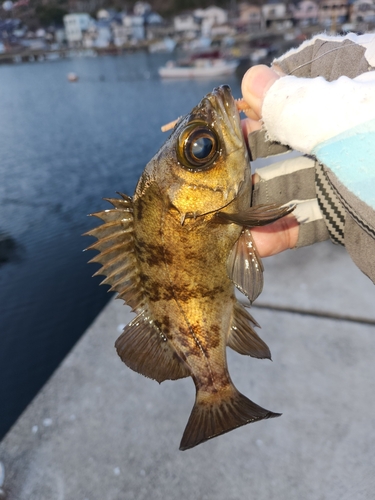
(98, 431)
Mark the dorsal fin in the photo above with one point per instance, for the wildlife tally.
(116, 251)
(142, 346)
(242, 338)
(245, 267)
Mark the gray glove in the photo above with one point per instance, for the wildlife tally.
(303, 181)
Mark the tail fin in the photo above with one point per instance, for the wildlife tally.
(209, 419)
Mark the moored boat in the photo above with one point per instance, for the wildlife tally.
(199, 68)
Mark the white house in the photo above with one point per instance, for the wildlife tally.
(103, 35)
(141, 8)
(363, 11)
(275, 14)
(305, 12)
(209, 18)
(186, 23)
(274, 10)
(332, 12)
(249, 15)
(138, 25)
(121, 34)
(75, 27)
(135, 27)
(215, 15)
(89, 37)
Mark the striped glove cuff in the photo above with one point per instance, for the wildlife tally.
(303, 181)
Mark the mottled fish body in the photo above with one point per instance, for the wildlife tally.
(174, 253)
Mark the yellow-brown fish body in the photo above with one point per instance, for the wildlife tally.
(174, 253)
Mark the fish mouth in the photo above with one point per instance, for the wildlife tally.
(219, 109)
(223, 101)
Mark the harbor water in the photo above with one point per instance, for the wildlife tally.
(65, 146)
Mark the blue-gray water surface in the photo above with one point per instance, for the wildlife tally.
(64, 146)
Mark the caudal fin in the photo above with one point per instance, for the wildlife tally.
(209, 419)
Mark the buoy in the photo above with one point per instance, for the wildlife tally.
(72, 77)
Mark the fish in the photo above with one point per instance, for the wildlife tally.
(176, 250)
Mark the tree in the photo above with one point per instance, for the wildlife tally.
(50, 15)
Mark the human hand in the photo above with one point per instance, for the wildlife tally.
(276, 237)
(255, 84)
(282, 234)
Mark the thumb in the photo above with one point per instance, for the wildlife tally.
(255, 84)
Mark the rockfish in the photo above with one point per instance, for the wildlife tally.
(174, 253)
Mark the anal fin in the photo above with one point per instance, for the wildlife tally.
(242, 338)
(209, 419)
(146, 350)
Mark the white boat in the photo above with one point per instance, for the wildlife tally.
(199, 68)
(258, 54)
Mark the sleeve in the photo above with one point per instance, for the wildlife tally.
(326, 108)
(327, 76)
(305, 112)
(330, 57)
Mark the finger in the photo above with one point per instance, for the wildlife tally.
(255, 83)
(255, 178)
(249, 126)
(250, 113)
(276, 237)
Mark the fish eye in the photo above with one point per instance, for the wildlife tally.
(197, 147)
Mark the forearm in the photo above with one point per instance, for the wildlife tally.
(329, 113)
(330, 57)
(303, 112)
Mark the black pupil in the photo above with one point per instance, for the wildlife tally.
(202, 147)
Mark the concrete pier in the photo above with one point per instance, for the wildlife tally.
(98, 431)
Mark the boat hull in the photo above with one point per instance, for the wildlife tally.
(205, 71)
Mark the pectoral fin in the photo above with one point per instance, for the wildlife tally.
(244, 266)
(146, 350)
(242, 338)
(259, 215)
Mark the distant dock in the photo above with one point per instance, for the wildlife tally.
(50, 55)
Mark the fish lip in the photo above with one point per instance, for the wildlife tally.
(219, 105)
(223, 102)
